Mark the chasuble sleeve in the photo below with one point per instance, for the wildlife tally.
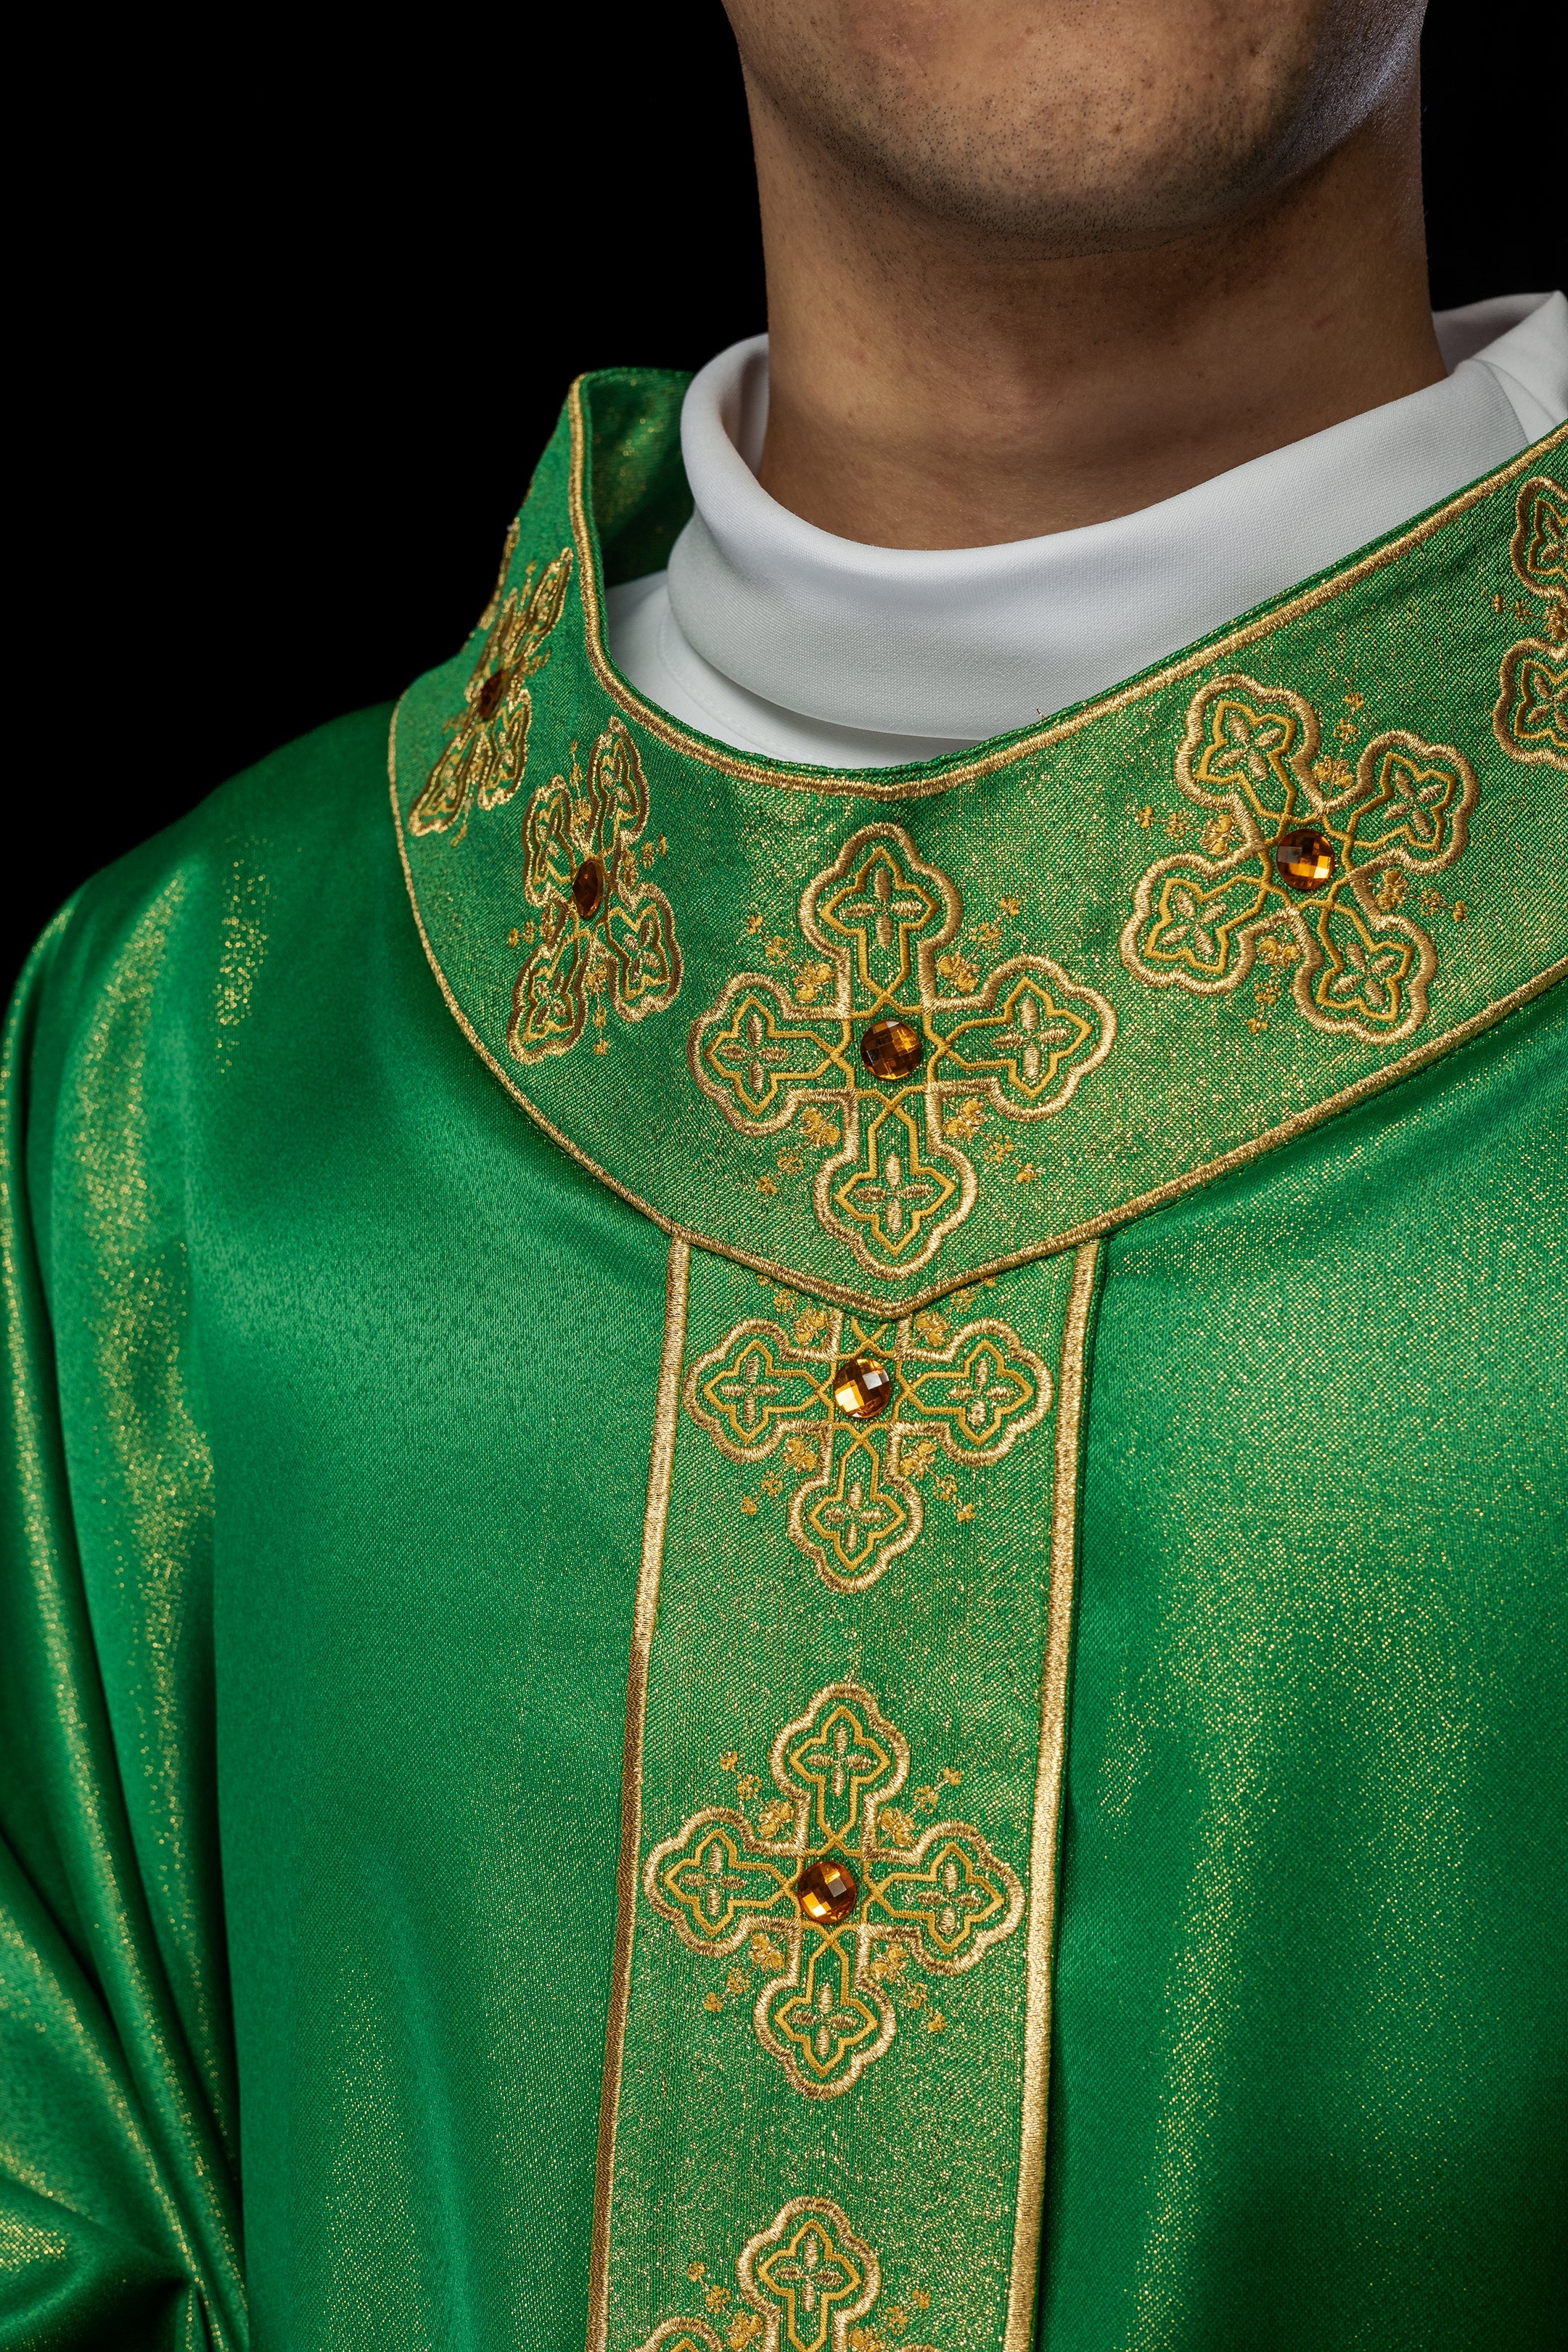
(117, 2196)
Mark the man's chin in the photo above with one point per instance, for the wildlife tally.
(1065, 131)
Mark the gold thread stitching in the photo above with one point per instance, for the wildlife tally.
(971, 1394)
(1358, 967)
(682, 2336)
(806, 2281)
(1530, 717)
(626, 949)
(943, 1897)
(900, 1180)
(1538, 548)
(487, 755)
(780, 2272)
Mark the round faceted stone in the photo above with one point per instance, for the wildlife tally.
(588, 886)
(862, 1388)
(1304, 858)
(490, 694)
(826, 1893)
(890, 1049)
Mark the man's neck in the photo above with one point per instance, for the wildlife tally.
(929, 388)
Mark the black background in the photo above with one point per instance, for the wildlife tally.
(299, 323)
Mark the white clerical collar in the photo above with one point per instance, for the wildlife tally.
(780, 638)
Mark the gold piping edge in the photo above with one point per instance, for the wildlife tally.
(676, 737)
(865, 1302)
(661, 1462)
(1029, 2219)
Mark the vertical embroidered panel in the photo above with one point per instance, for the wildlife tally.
(881, 2056)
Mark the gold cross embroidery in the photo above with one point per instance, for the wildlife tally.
(969, 1395)
(623, 951)
(1018, 1044)
(1531, 720)
(485, 760)
(1251, 753)
(940, 1895)
(807, 2284)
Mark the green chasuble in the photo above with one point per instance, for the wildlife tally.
(785, 1551)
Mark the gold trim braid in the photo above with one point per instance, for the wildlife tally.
(1045, 1831)
(661, 1466)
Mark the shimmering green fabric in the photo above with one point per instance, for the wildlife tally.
(331, 1388)
(1310, 2001)
(391, 1549)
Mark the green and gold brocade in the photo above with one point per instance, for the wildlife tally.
(448, 1605)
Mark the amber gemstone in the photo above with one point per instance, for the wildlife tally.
(826, 1893)
(890, 1049)
(588, 886)
(862, 1388)
(490, 694)
(1304, 858)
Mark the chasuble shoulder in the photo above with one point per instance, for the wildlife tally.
(785, 1550)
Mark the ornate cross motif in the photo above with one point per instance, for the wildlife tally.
(1250, 755)
(489, 747)
(939, 1896)
(968, 1395)
(806, 2284)
(899, 1178)
(1531, 720)
(623, 948)
(809, 2277)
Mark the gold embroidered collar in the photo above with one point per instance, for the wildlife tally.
(880, 1033)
